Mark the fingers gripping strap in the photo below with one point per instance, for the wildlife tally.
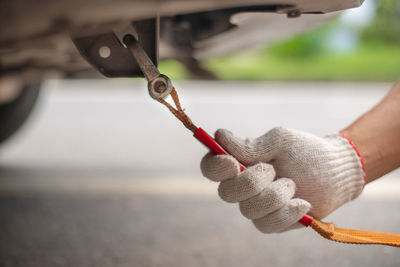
(326, 230)
(329, 231)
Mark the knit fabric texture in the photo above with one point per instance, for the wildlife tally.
(290, 173)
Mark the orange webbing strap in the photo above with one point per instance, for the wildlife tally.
(326, 230)
(178, 112)
(329, 231)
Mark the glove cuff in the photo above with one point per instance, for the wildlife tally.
(350, 176)
(358, 154)
(347, 174)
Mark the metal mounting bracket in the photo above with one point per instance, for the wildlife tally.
(106, 54)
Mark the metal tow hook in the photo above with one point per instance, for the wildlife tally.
(159, 85)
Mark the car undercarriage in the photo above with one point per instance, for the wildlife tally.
(74, 38)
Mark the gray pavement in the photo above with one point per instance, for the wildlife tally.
(103, 176)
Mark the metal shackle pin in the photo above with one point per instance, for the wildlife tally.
(159, 85)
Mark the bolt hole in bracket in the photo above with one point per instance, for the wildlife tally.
(106, 54)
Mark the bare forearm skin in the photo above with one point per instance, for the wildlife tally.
(376, 134)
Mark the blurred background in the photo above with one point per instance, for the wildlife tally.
(360, 44)
(102, 175)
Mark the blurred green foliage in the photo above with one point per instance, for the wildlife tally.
(370, 62)
(386, 25)
(302, 46)
(306, 57)
(173, 69)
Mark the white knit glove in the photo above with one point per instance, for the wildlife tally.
(321, 174)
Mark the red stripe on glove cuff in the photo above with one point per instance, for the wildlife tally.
(358, 154)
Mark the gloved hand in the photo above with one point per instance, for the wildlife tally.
(290, 173)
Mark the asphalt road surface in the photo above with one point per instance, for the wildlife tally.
(104, 176)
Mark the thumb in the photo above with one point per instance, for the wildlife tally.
(242, 150)
(251, 151)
